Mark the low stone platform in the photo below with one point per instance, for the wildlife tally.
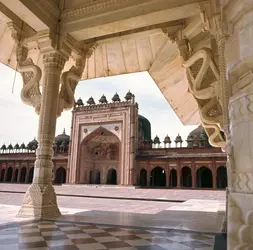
(120, 192)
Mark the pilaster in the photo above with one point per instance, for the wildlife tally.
(238, 53)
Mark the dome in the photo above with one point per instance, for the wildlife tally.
(32, 145)
(79, 102)
(116, 98)
(91, 101)
(103, 99)
(128, 96)
(157, 140)
(145, 127)
(198, 137)
(178, 139)
(62, 137)
(167, 139)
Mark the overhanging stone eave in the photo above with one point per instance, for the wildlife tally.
(108, 23)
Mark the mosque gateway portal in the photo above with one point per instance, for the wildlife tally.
(199, 53)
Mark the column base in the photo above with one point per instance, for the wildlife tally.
(39, 202)
(240, 221)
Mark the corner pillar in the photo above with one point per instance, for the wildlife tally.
(40, 198)
(238, 53)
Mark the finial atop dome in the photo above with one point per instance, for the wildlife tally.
(128, 96)
(79, 102)
(91, 101)
(103, 99)
(64, 132)
(116, 98)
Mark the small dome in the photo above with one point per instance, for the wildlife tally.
(32, 145)
(62, 137)
(79, 102)
(10, 146)
(91, 101)
(157, 140)
(200, 138)
(116, 98)
(178, 139)
(167, 139)
(16, 146)
(22, 146)
(145, 127)
(103, 99)
(3, 147)
(128, 96)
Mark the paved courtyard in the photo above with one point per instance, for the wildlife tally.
(114, 223)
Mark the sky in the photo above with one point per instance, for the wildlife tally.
(19, 122)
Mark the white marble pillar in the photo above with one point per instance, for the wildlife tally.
(40, 198)
(239, 58)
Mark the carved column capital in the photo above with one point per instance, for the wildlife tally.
(53, 61)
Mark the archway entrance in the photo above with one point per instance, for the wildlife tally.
(60, 176)
(2, 175)
(30, 176)
(22, 175)
(112, 176)
(186, 177)
(91, 178)
(204, 178)
(16, 176)
(9, 174)
(158, 177)
(97, 177)
(222, 177)
(143, 177)
(173, 178)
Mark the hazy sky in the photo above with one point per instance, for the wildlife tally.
(19, 122)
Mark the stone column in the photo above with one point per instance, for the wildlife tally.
(239, 59)
(132, 142)
(167, 171)
(40, 198)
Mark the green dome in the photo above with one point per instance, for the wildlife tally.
(145, 127)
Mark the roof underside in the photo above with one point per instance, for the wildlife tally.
(131, 38)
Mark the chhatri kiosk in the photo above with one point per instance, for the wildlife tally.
(199, 54)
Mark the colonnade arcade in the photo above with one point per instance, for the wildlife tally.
(24, 174)
(69, 41)
(186, 177)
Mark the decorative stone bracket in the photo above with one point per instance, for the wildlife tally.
(204, 84)
(70, 79)
(31, 74)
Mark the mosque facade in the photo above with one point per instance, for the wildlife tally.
(110, 143)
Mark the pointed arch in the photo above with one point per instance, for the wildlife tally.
(30, 176)
(22, 175)
(222, 177)
(100, 131)
(112, 176)
(173, 178)
(204, 177)
(158, 177)
(186, 177)
(60, 175)
(143, 177)
(16, 175)
(9, 174)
